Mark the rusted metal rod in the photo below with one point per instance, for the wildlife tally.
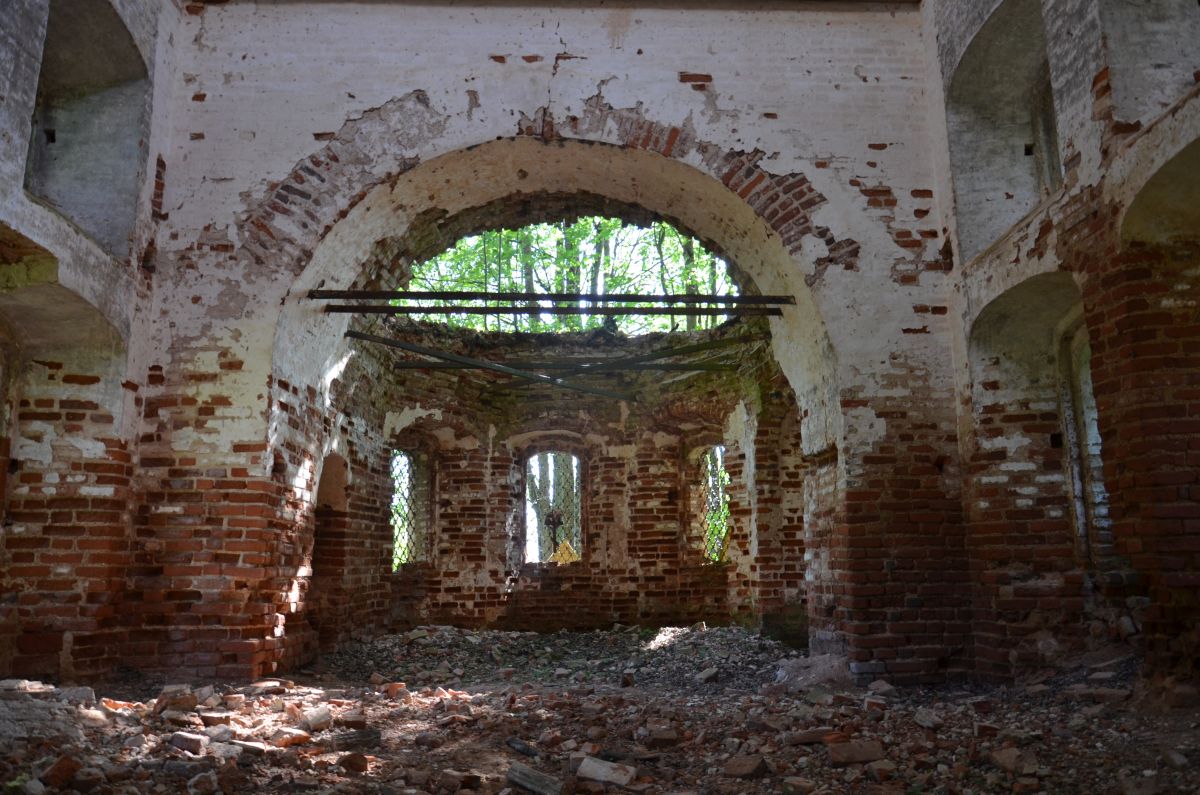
(683, 311)
(702, 367)
(597, 298)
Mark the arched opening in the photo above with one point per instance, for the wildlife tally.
(87, 150)
(68, 521)
(1004, 152)
(626, 442)
(554, 489)
(410, 514)
(710, 502)
(327, 603)
(1037, 504)
(1144, 360)
(1167, 208)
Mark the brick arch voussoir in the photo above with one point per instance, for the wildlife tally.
(295, 213)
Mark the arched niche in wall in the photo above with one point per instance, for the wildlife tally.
(1153, 54)
(1167, 208)
(87, 150)
(331, 488)
(68, 467)
(328, 598)
(1036, 468)
(1004, 152)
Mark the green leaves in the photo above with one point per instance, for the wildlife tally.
(590, 255)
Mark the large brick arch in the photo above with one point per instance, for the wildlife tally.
(726, 202)
(341, 219)
(346, 205)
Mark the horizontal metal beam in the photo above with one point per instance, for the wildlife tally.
(499, 368)
(702, 367)
(682, 311)
(595, 298)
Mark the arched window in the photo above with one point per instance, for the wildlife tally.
(553, 508)
(409, 507)
(711, 501)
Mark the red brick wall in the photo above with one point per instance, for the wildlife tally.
(899, 563)
(1146, 376)
(66, 546)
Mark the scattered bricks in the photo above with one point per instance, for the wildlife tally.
(855, 752)
(286, 737)
(192, 743)
(986, 730)
(754, 766)
(881, 770)
(594, 769)
(318, 719)
(352, 720)
(62, 772)
(251, 747)
(176, 697)
(662, 738)
(398, 692)
(808, 736)
(927, 719)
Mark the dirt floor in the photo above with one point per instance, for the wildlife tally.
(683, 710)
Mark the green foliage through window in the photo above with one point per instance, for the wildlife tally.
(714, 485)
(591, 255)
(409, 507)
(553, 486)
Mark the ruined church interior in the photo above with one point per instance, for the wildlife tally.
(672, 396)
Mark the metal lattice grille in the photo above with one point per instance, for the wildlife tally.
(714, 484)
(553, 526)
(410, 485)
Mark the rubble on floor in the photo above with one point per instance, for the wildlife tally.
(676, 711)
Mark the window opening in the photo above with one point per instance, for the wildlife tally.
(591, 256)
(410, 511)
(1085, 464)
(553, 526)
(714, 485)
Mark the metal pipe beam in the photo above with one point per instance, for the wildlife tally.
(702, 367)
(683, 311)
(595, 298)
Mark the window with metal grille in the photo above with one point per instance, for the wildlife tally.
(410, 507)
(714, 503)
(553, 524)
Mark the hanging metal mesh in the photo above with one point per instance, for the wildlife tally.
(552, 508)
(409, 508)
(714, 484)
